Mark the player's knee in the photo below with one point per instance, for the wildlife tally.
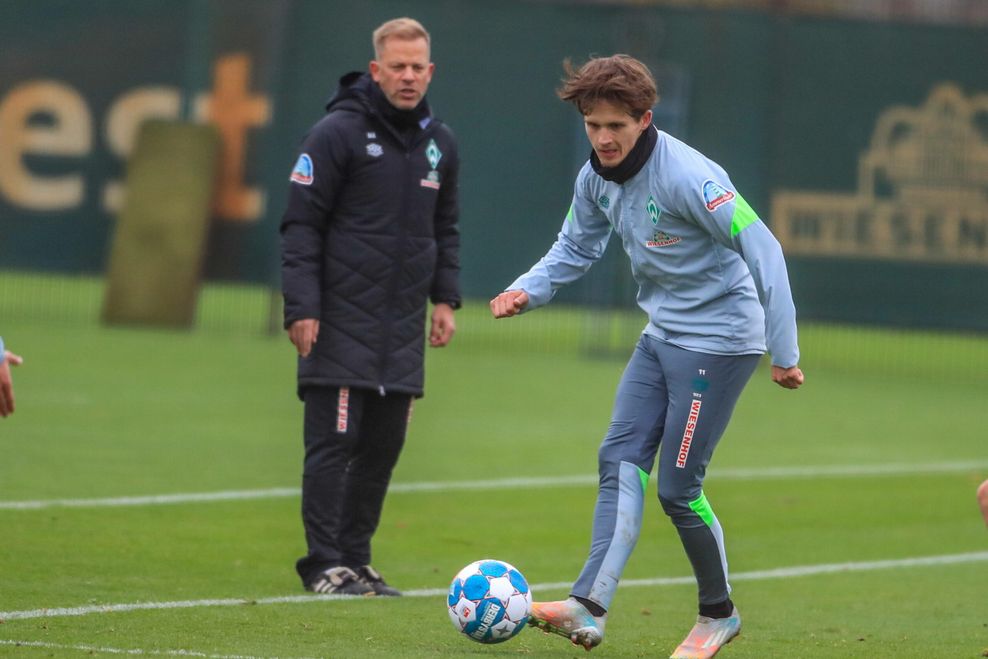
(609, 458)
(675, 503)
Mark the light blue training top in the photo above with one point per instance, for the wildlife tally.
(710, 274)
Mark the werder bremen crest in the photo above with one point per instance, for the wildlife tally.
(653, 210)
(659, 238)
(433, 153)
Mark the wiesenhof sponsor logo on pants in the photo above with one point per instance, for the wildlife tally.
(684, 446)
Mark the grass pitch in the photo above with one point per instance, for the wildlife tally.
(845, 482)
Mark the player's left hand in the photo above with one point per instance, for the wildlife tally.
(443, 326)
(789, 378)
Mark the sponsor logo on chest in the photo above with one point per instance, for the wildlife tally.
(659, 238)
(662, 239)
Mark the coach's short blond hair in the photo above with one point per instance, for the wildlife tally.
(399, 28)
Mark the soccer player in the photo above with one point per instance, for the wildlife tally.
(369, 237)
(7, 359)
(713, 282)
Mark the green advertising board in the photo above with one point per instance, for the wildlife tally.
(860, 143)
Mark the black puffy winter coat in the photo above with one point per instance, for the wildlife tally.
(368, 237)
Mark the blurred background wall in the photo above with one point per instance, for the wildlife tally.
(857, 129)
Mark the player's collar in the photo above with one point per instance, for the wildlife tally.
(632, 163)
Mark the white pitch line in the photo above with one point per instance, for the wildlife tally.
(835, 471)
(153, 500)
(131, 651)
(757, 575)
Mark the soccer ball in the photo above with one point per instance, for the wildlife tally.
(489, 601)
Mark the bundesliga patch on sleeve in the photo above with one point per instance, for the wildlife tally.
(302, 173)
(714, 195)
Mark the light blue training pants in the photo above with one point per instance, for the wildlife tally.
(676, 403)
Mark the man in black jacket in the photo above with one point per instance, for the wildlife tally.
(368, 238)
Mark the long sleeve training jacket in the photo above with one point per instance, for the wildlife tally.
(711, 276)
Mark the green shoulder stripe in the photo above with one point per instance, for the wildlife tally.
(743, 215)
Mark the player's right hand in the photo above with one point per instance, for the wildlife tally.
(303, 334)
(509, 303)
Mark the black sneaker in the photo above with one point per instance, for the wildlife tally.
(372, 578)
(340, 581)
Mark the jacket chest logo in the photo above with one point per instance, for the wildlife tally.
(433, 155)
(375, 150)
(653, 210)
(662, 239)
(659, 238)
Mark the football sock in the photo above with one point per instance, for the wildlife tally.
(596, 610)
(718, 610)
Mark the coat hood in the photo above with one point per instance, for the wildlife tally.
(353, 88)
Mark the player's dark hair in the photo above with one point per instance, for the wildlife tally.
(619, 79)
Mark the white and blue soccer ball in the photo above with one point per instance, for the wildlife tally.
(489, 601)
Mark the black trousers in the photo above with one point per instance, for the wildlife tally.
(353, 438)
